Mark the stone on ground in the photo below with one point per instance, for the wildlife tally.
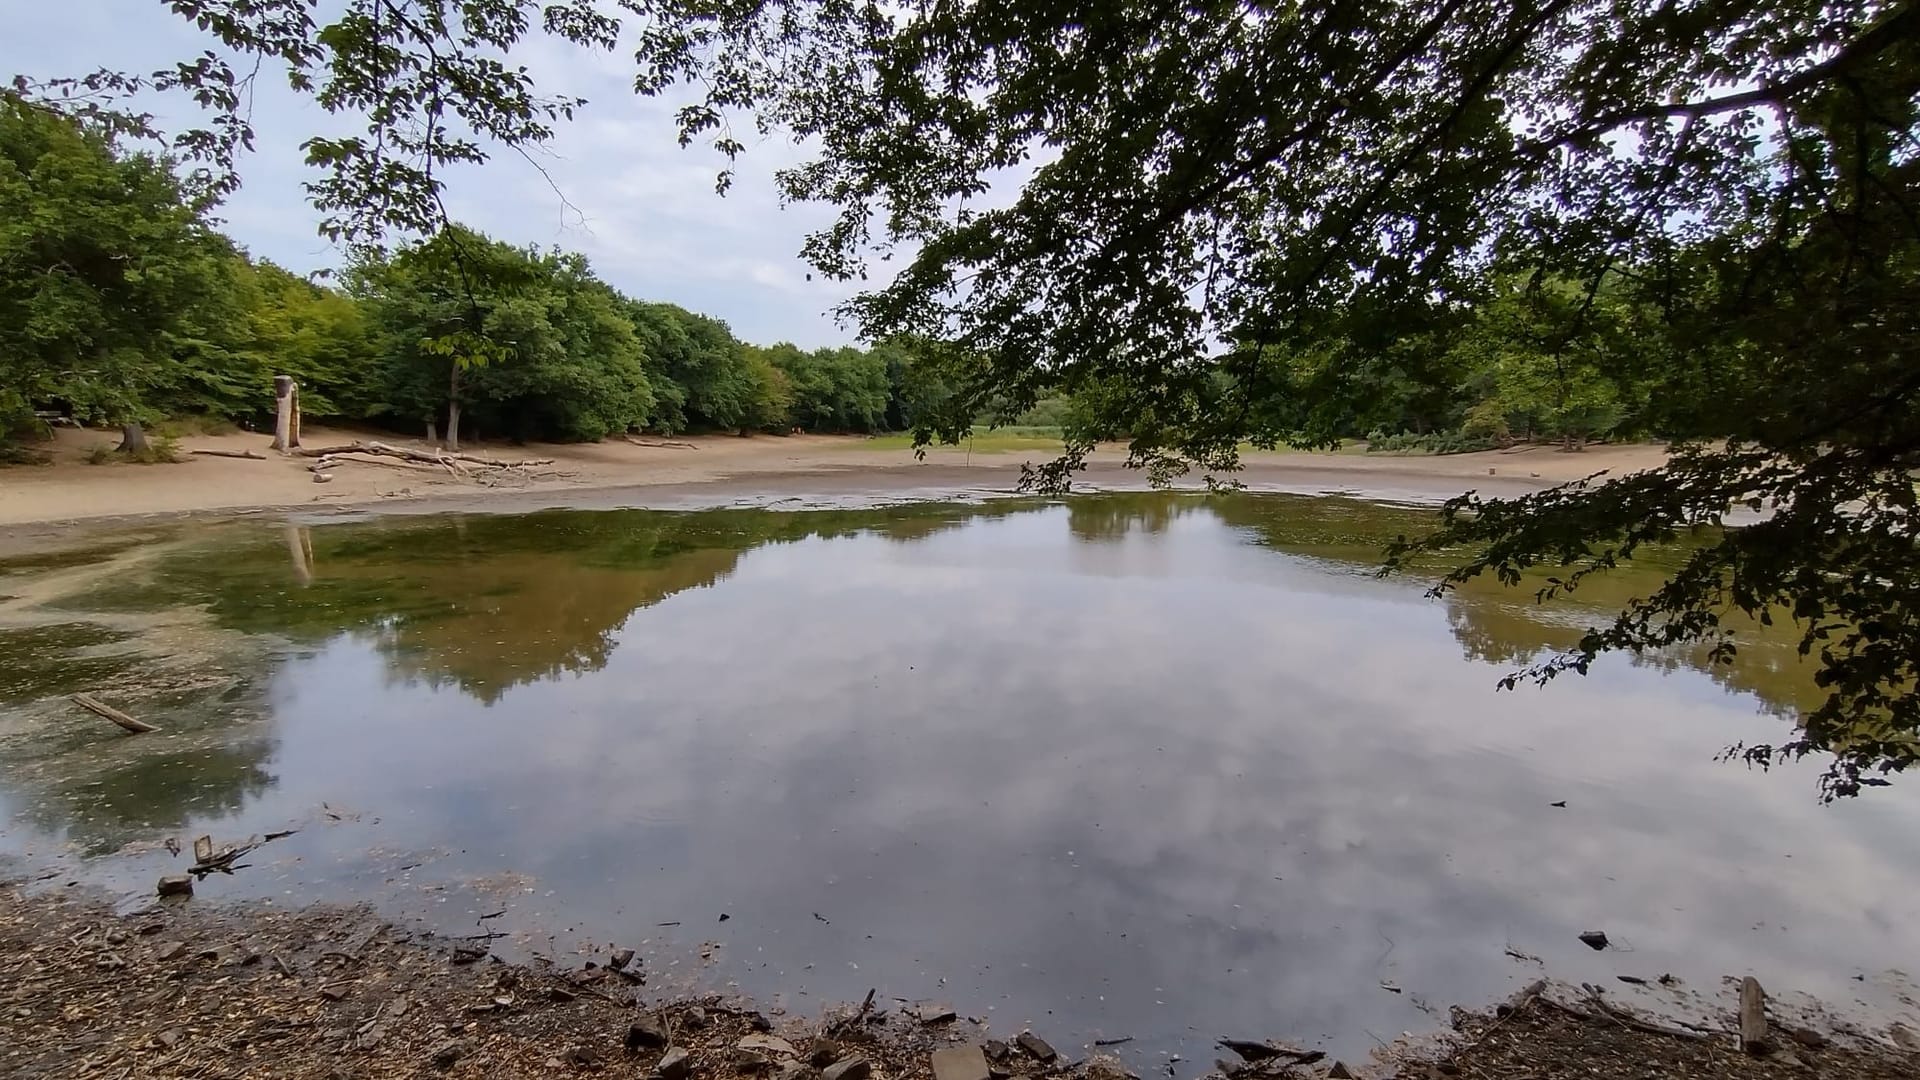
(676, 1064)
(1036, 1046)
(854, 1068)
(646, 1033)
(961, 1063)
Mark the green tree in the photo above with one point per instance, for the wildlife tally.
(719, 383)
(1543, 359)
(108, 271)
(837, 390)
(1220, 181)
(525, 343)
(312, 332)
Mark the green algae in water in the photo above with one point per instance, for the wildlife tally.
(69, 558)
(44, 661)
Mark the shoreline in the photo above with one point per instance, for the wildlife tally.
(191, 987)
(69, 500)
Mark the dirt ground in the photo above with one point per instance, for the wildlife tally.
(188, 989)
(704, 469)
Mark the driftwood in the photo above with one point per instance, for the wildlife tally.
(226, 860)
(443, 458)
(98, 708)
(1753, 1017)
(1605, 1011)
(858, 1019)
(341, 459)
(661, 444)
(248, 454)
(1514, 1005)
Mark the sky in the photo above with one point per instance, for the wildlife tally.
(639, 206)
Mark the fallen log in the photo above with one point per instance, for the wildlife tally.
(429, 457)
(661, 444)
(248, 454)
(444, 459)
(330, 462)
(98, 708)
(496, 463)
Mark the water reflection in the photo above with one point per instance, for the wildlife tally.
(491, 602)
(1140, 766)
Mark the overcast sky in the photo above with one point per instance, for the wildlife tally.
(644, 212)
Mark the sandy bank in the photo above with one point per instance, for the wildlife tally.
(707, 470)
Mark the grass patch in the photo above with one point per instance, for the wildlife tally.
(22, 455)
(160, 450)
(180, 427)
(1001, 440)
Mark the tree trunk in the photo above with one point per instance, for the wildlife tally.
(133, 439)
(453, 410)
(283, 437)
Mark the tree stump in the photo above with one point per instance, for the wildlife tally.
(284, 437)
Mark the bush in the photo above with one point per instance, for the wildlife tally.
(1437, 442)
(160, 450)
(181, 426)
(11, 454)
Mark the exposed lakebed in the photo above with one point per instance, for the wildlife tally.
(1141, 766)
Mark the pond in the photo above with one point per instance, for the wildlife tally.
(1151, 766)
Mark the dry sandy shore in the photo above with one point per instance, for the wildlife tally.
(37, 502)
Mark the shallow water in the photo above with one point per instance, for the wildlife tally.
(1150, 766)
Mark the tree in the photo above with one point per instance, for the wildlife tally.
(106, 271)
(720, 384)
(833, 389)
(1205, 187)
(1543, 358)
(1210, 182)
(528, 343)
(312, 332)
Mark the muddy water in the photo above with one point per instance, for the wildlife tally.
(1143, 766)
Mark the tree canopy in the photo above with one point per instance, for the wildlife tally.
(1215, 223)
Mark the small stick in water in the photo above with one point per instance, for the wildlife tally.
(97, 707)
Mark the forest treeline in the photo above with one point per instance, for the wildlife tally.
(122, 303)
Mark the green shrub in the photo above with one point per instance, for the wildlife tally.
(1436, 442)
(160, 450)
